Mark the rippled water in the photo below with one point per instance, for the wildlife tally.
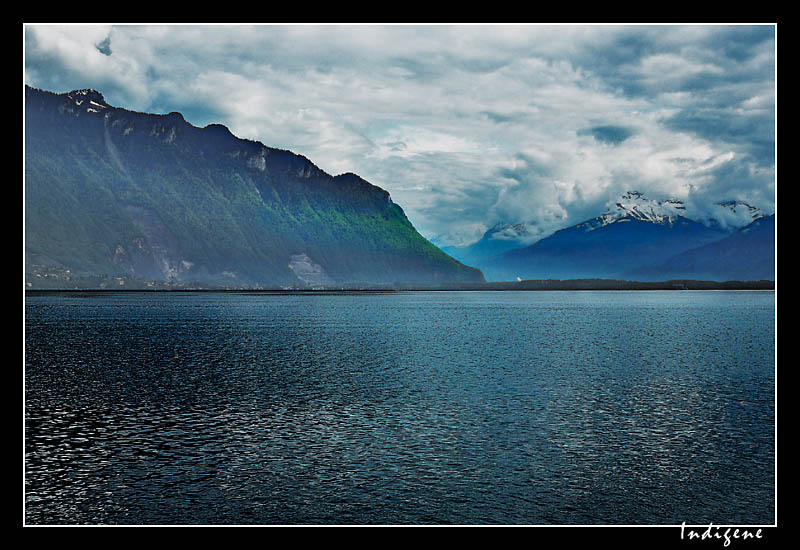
(397, 408)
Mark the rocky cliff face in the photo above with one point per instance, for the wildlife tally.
(119, 195)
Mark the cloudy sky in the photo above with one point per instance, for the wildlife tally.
(465, 126)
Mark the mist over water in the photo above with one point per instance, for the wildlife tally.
(400, 408)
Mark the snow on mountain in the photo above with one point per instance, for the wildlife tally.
(634, 233)
(670, 222)
(731, 214)
(633, 205)
(508, 232)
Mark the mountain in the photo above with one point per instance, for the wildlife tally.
(116, 197)
(634, 234)
(746, 255)
(503, 237)
(498, 239)
(736, 213)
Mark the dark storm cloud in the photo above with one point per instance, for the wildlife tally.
(752, 134)
(741, 43)
(104, 47)
(619, 58)
(613, 135)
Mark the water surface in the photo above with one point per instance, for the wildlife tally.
(400, 408)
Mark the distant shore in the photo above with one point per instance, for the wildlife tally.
(537, 285)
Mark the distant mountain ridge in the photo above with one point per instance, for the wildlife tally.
(115, 196)
(746, 255)
(631, 206)
(498, 239)
(630, 239)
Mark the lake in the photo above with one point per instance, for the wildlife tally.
(640, 407)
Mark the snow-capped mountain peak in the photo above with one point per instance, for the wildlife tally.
(505, 231)
(633, 205)
(731, 214)
(742, 208)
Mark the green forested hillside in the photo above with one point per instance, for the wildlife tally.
(119, 194)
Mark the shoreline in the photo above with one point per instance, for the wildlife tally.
(533, 285)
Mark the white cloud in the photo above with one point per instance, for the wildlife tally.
(463, 125)
(672, 66)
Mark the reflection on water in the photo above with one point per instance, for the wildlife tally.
(447, 407)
